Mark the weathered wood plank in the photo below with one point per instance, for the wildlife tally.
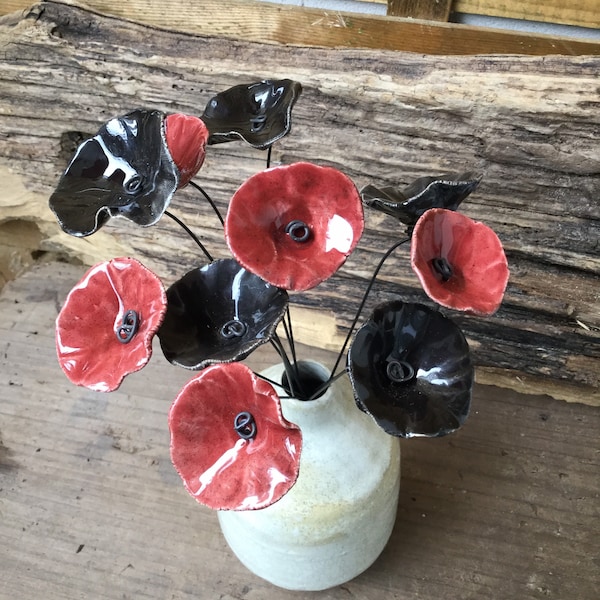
(91, 507)
(584, 13)
(530, 125)
(433, 10)
(265, 22)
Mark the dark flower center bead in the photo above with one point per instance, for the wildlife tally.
(129, 326)
(299, 231)
(245, 425)
(233, 329)
(257, 123)
(443, 268)
(134, 185)
(399, 371)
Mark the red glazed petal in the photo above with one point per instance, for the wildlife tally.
(218, 467)
(323, 198)
(186, 139)
(88, 349)
(475, 254)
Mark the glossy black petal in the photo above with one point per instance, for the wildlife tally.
(408, 204)
(124, 170)
(259, 113)
(411, 371)
(218, 314)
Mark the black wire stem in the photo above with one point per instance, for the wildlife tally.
(362, 304)
(210, 201)
(190, 233)
(269, 156)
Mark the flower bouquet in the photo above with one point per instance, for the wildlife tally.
(289, 227)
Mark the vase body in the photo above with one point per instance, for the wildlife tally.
(339, 515)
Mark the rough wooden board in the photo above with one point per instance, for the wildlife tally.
(90, 506)
(284, 24)
(436, 10)
(584, 13)
(531, 125)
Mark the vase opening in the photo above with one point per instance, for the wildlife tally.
(305, 380)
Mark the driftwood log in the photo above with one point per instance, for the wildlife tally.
(529, 125)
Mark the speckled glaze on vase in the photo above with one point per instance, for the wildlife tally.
(338, 517)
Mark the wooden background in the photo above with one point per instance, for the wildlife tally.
(90, 506)
(425, 31)
(530, 125)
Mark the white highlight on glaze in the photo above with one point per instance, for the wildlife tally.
(120, 312)
(339, 235)
(116, 127)
(275, 478)
(236, 292)
(222, 463)
(115, 163)
(432, 376)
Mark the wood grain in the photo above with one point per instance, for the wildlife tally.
(91, 507)
(434, 10)
(265, 22)
(584, 13)
(529, 125)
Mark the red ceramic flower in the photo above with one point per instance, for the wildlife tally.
(460, 262)
(229, 441)
(186, 138)
(105, 328)
(294, 225)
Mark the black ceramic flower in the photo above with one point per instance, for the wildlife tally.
(411, 371)
(259, 113)
(124, 170)
(218, 314)
(408, 204)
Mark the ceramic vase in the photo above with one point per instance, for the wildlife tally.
(339, 515)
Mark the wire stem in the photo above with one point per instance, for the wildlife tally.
(210, 201)
(326, 384)
(292, 380)
(289, 334)
(362, 304)
(269, 156)
(190, 233)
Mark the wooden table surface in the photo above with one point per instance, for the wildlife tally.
(90, 506)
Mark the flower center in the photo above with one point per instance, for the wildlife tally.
(257, 123)
(399, 371)
(298, 230)
(233, 329)
(128, 327)
(245, 425)
(443, 268)
(134, 184)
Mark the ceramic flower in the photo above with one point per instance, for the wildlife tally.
(460, 262)
(408, 204)
(105, 328)
(259, 113)
(219, 313)
(186, 137)
(230, 443)
(294, 225)
(130, 168)
(411, 371)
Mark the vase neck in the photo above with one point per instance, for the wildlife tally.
(304, 413)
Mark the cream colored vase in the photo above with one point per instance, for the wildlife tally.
(337, 519)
